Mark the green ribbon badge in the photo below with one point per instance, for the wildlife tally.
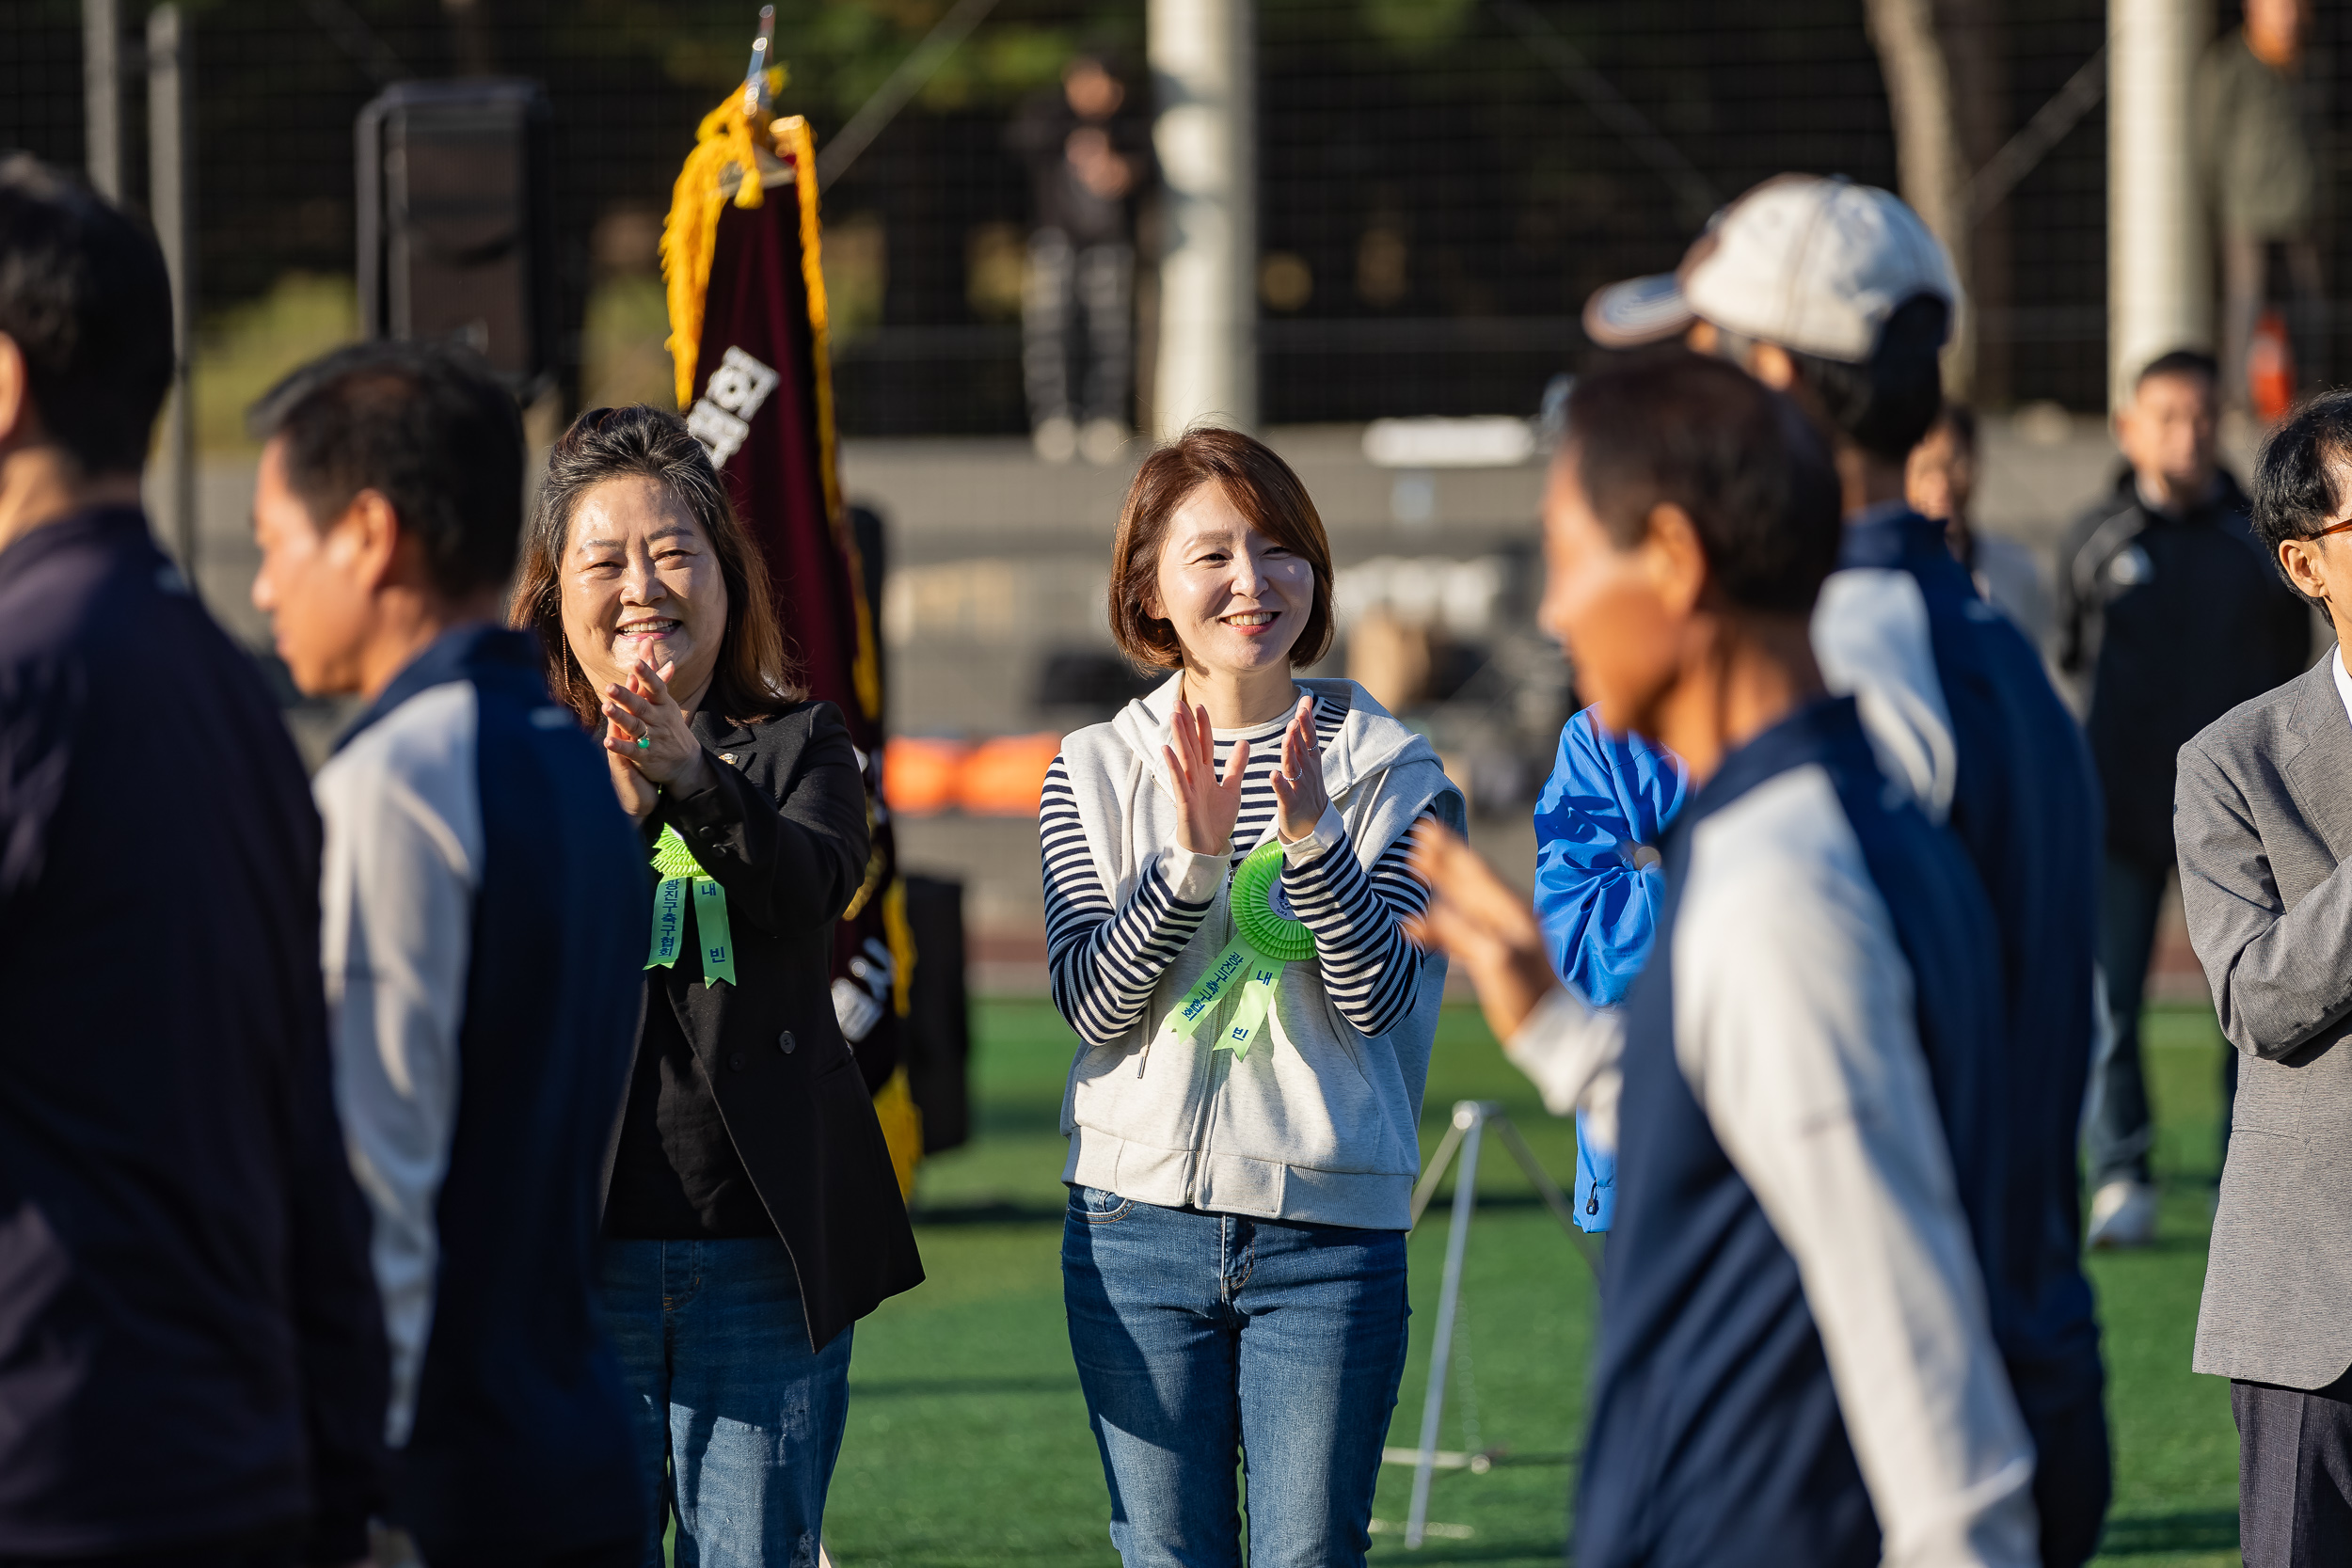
(682, 875)
(1267, 937)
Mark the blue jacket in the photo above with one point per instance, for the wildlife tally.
(465, 798)
(1608, 796)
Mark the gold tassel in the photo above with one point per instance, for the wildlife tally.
(796, 142)
(688, 235)
(902, 1131)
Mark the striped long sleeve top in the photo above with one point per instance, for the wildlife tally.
(1105, 960)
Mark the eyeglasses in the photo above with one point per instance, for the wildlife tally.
(2333, 527)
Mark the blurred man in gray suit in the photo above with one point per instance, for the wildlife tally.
(2263, 815)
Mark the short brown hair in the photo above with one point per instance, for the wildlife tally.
(756, 678)
(1263, 489)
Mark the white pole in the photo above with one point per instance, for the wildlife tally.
(2159, 268)
(1469, 1118)
(1204, 76)
(169, 205)
(102, 96)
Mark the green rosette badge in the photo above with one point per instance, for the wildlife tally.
(683, 876)
(1265, 938)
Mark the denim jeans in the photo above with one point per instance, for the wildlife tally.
(1199, 1334)
(737, 1424)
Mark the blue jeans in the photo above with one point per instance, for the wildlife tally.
(738, 1424)
(1198, 1335)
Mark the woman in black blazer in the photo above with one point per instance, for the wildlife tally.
(750, 1211)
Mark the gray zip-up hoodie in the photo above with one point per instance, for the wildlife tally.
(1320, 1124)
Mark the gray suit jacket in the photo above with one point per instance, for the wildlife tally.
(2263, 816)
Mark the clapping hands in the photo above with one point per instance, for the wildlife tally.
(1298, 792)
(649, 740)
(1207, 805)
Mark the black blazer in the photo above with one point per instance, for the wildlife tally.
(783, 830)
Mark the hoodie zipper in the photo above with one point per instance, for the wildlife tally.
(1210, 1083)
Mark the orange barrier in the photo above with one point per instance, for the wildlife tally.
(920, 777)
(1000, 776)
(1004, 777)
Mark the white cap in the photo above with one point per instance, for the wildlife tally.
(1816, 265)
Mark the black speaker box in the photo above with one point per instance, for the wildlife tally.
(456, 222)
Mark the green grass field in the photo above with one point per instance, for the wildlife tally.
(968, 1441)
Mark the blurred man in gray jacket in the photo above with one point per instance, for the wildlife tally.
(2263, 820)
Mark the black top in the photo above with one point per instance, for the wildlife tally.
(2178, 617)
(1040, 135)
(783, 830)
(190, 1345)
(677, 1175)
(523, 1447)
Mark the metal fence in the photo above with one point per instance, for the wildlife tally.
(1442, 181)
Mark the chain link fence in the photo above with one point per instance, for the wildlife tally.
(1442, 182)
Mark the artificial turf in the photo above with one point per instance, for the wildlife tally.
(968, 1443)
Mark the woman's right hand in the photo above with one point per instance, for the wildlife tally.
(1206, 805)
(639, 793)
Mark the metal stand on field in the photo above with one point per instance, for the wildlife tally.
(1472, 1120)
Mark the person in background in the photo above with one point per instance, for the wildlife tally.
(191, 1359)
(1796, 1361)
(2261, 183)
(1599, 822)
(750, 1213)
(1940, 480)
(2172, 613)
(1838, 294)
(1234, 1252)
(483, 913)
(2263, 826)
(1086, 164)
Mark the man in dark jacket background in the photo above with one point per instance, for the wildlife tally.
(2174, 614)
(192, 1367)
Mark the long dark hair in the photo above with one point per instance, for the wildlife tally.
(756, 677)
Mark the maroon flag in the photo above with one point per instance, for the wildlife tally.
(761, 404)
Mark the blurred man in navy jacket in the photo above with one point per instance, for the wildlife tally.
(192, 1367)
(485, 905)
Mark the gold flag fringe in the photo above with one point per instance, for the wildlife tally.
(724, 137)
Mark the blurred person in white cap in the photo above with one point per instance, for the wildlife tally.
(1837, 294)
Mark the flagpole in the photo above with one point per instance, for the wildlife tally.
(913, 74)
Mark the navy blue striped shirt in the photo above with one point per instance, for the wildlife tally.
(1105, 961)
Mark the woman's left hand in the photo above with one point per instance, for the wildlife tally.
(1298, 791)
(645, 724)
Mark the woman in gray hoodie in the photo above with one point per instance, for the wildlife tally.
(1224, 874)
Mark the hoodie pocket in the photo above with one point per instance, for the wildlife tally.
(1307, 1101)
